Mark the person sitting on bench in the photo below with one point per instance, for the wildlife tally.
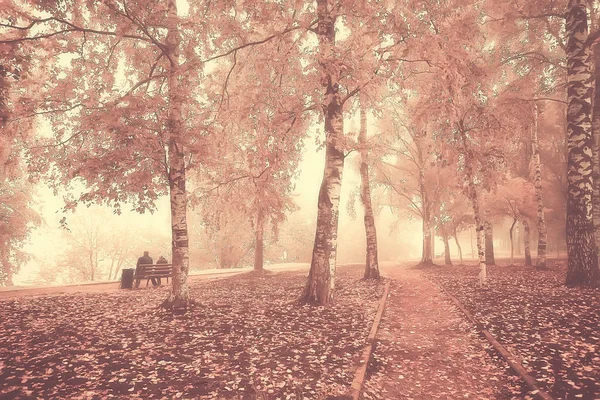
(146, 259)
(161, 260)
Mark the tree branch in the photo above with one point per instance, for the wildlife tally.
(71, 28)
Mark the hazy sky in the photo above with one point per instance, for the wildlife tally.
(46, 243)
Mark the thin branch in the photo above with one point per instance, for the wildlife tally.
(541, 99)
(249, 44)
(72, 28)
(220, 184)
(543, 16)
(224, 91)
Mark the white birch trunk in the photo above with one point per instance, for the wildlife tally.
(179, 296)
(321, 279)
(596, 148)
(472, 194)
(259, 241)
(537, 181)
(582, 266)
(372, 264)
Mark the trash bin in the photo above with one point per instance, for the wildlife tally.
(127, 278)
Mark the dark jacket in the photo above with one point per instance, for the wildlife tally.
(162, 260)
(144, 260)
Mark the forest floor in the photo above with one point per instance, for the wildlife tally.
(426, 349)
(245, 338)
(554, 330)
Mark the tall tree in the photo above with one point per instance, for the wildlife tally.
(582, 258)
(179, 296)
(128, 125)
(537, 181)
(407, 168)
(321, 279)
(489, 243)
(371, 265)
(17, 216)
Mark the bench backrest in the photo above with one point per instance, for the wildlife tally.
(155, 269)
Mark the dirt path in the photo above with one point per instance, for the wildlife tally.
(426, 349)
(107, 287)
(90, 287)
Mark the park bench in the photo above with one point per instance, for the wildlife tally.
(149, 271)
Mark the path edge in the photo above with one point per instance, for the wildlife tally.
(504, 353)
(361, 371)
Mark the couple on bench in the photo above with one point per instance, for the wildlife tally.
(147, 260)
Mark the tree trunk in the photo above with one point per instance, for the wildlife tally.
(527, 242)
(9, 278)
(489, 244)
(518, 240)
(458, 245)
(472, 248)
(472, 194)
(582, 266)
(596, 148)
(447, 260)
(321, 278)
(512, 241)
(372, 265)
(179, 296)
(259, 245)
(7, 268)
(427, 256)
(110, 271)
(537, 181)
(431, 235)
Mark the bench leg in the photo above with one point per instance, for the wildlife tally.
(137, 283)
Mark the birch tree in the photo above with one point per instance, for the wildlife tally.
(371, 265)
(537, 181)
(321, 279)
(126, 80)
(582, 258)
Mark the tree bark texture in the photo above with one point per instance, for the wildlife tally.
(537, 181)
(372, 265)
(596, 148)
(472, 195)
(489, 243)
(527, 242)
(458, 246)
(321, 279)
(259, 241)
(471, 240)
(512, 241)
(427, 255)
(179, 296)
(447, 259)
(582, 267)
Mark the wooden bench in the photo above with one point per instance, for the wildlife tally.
(149, 271)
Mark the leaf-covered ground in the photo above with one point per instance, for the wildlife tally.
(554, 330)
(426, 349)
(245, 339)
